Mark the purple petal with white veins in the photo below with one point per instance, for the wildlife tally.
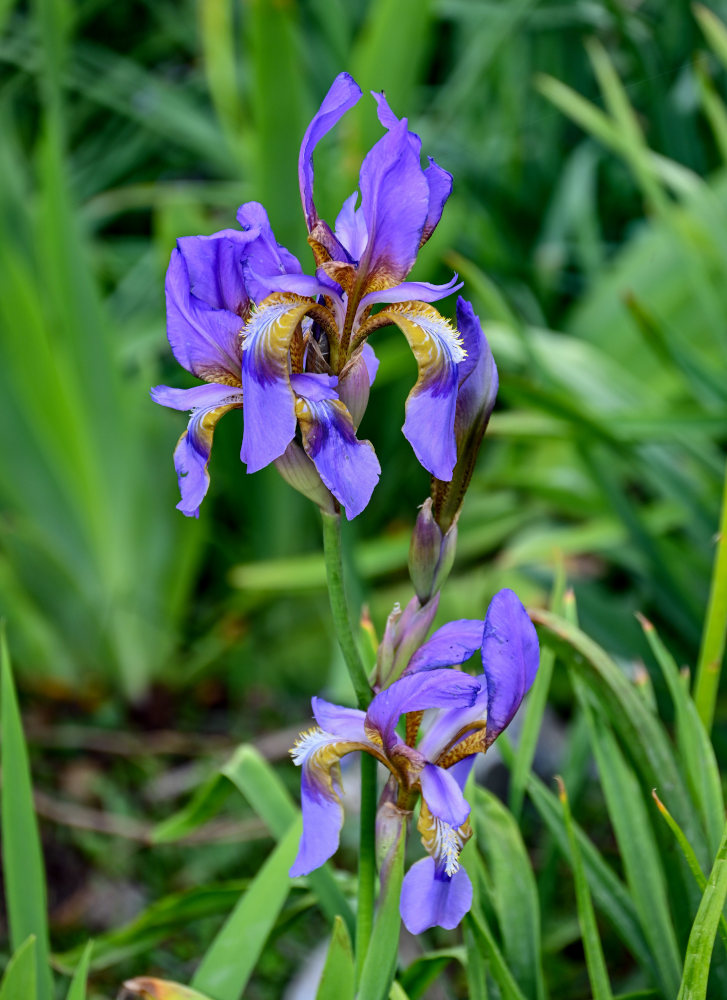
(347, 466)
(269, 398)
(351, 228)
(191, 456)
(408, 291)
(510, 658)
(429, 900)
(451, 644)
(394, 199)
(443, 796)
(343, 94)
(416, 692)
(346, 723)
(214, 265)
(204, 340)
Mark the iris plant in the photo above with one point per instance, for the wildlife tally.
(449, 716)
(292, 348)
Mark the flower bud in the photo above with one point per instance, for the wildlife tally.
(391, 822)
(405, 631)
(431, 553)
(355, 381)
(299, 472)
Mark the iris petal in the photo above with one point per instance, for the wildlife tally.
(191, 456)
(443, 796)
(431, 901)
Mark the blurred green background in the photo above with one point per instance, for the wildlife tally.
(587, 140)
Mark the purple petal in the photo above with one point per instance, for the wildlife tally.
(478, 380)
(204, 340)
(322, 822)
(371, 361)
(439, 181)
(315, 387)
(346, 723)
(408, 291)
(351, 228)
(510, 658)
(263, 255)
(191, 456)
(394, 198)
(443, 796)
(415, 692)
(440, 188)
(428, 900)
(269, 398)
(451, 644)
(347, 466)
(342, 96)
(214, 265)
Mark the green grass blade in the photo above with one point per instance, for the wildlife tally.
(337, 979)
(695, 748)
(228, 963)
(711, 653)
(379, 969)
(595, 961)
(638, 849)
(515, 894)
(19, 981)
(25, 890)
(714, 30)
(77, 988)
(509, 989)
(701, 939)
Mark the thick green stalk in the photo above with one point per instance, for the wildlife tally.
(715, 628)
(357, 672)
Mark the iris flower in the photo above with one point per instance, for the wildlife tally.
(243, 317)
(433, 759)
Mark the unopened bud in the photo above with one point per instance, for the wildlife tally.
(431, 553)
(299, 472)
(391, 823)
(355, 381)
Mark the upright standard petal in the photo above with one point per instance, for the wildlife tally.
(432, 900)
(347, 466)
(191, 456)
(343, 94)
(431, 405)
(205, 340)
(394, 199)
(510, 658)
(351, 228)
(414, 693)
(214, 265)
(270, 418)
(264, 256)
(451, 644)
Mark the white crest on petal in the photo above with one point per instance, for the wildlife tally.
(310, 743)
(443, 842)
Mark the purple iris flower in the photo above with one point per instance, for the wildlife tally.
(243, 317)
(449, 717)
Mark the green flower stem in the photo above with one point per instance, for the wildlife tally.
(711, 653)
(339, 608)
(357, 672)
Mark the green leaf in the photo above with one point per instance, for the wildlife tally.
(19, 980)
(77, 989)
(515, 894)
(337, 980)
(638, 849)
(695, 748)
(498, 965)
(25, 891)
(714, 634)
(714, 30)
(595, 962)
(379, 967)
(205, 804)
(701, 939)
(229, 961)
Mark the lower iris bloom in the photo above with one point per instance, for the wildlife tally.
(291, 349)
(449, 716)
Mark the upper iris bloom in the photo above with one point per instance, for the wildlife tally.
(465, 715)
(242, 316)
